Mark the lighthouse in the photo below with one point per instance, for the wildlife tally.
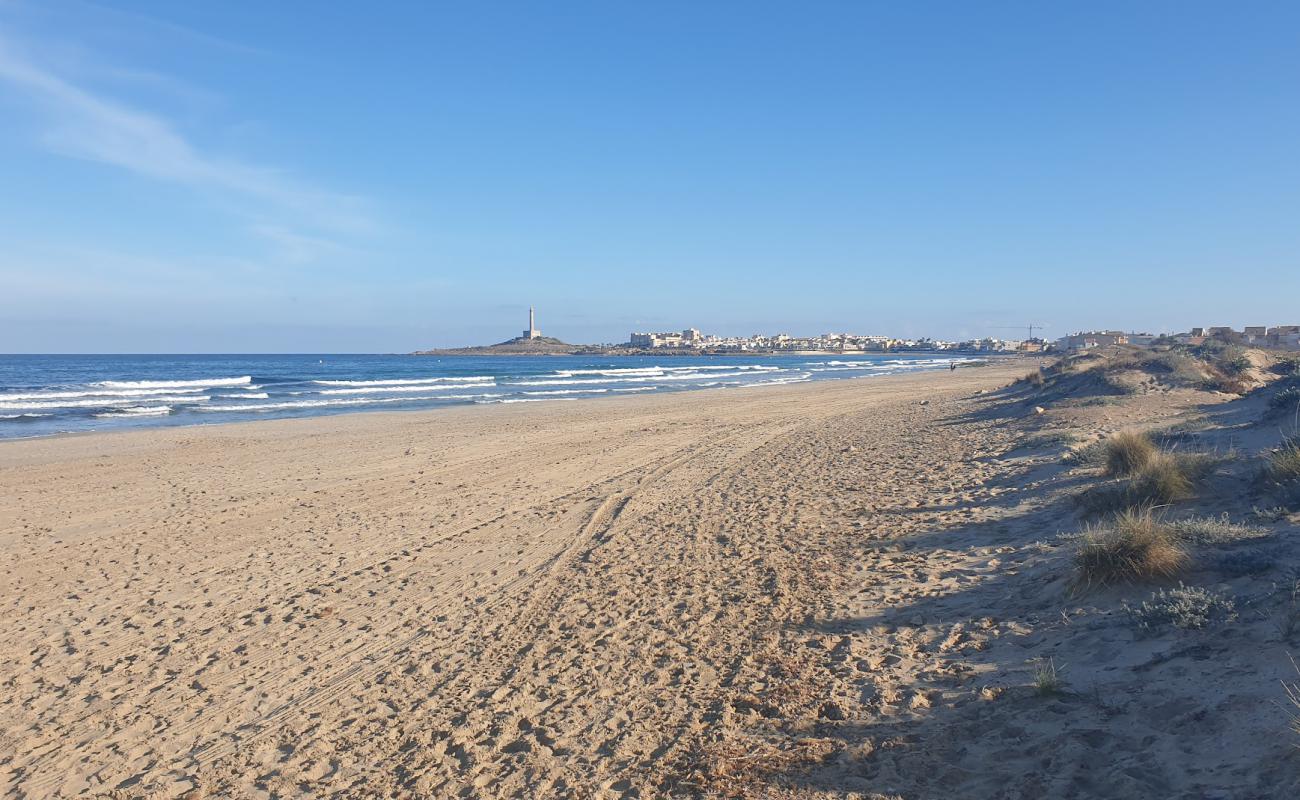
(532, 332)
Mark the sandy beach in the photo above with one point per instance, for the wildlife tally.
(516, 599)
(807, 590)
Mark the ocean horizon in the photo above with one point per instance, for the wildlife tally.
(45, 395)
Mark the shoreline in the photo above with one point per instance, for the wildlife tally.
(362, 411)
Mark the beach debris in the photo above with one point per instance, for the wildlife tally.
(1039, 410)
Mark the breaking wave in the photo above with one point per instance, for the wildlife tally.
(357, 401)
(204, 383)
(105, 402)
(421, 388)
(406, 381)
(138, 411)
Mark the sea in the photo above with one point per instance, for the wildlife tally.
(44, 395)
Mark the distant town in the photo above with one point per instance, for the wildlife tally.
(1281, 336)
(692, 341)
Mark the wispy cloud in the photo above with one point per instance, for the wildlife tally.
(294, 247)
(81, 123)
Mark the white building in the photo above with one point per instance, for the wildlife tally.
(532, 332)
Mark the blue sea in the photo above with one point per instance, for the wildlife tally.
(45, 395)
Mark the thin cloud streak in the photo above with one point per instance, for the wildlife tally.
(88, 126)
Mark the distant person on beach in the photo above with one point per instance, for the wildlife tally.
(952, 366)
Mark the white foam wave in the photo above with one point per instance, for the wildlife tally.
(687, 376)
(678, 372)
(204, 383)
(409, 381)
(635, 389)
(138, 411)
(245, 396)
(855, 368)
(354, 401)
(571, 391)
(106, 393)
(104, 402)
(566, 373)
(421, 388)
(802, 378)
(23, 416)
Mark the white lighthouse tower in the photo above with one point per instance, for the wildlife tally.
(532, 332)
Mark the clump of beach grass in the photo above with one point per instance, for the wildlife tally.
(1165, 478)
(1283, 464)
(1049, 679)
(1293, 695)
(1127, 452)
(1286, 400)
(1134, 546)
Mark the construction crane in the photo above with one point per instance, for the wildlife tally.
(1030, 327)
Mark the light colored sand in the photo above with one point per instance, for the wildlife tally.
(826, 590)
(500, 601)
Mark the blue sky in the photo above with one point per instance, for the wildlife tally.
(271, 177)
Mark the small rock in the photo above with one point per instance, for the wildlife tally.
(1039, 410)
(925, 402)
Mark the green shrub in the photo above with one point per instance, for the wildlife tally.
(1233, 361)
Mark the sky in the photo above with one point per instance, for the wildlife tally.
(329, 177)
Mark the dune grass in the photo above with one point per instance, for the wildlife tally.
(1128, 452)
(1282, 467)
(1163, 479)
(1134, 546)
(1049, 679)
(1287, 399)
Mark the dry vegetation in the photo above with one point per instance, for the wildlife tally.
(1128, 452)
(1282, 468)
(1134, 546)
(1162, 479)
(1286, 400)
(1185, 607)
